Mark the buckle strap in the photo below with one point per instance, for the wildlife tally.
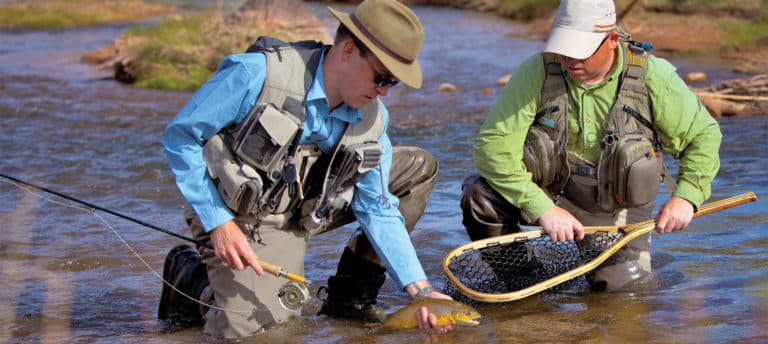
(584, 170)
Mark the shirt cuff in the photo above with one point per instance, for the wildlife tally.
(214, 217)
(538, 205)
(689, 192)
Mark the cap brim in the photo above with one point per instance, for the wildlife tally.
(410, 74)
(573, 43)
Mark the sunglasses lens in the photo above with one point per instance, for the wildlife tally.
(382, 81)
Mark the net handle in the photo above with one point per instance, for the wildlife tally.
(632, 231)
(706, 209)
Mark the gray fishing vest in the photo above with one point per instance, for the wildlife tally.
(629, 170)
(259, 166)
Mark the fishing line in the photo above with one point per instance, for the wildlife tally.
(92, 210)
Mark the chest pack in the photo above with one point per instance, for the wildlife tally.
(259, 165)
(629, 170)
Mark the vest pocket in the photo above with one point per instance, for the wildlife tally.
(582, 191)
(637, 173)
(642, 182)
(266, 140)
(539, 156)
(240, 187)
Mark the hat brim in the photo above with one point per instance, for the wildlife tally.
(410, 74)
(573, 43)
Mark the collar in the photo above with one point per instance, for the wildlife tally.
(316, 95)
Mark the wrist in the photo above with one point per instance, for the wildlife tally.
(419, 289)
(423, 292)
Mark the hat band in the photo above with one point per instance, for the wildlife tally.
(377, 43)
(604, 28)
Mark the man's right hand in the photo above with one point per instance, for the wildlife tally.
(561, 225)
(232, 247)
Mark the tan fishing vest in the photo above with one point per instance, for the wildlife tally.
(629, 169)
(259, 166)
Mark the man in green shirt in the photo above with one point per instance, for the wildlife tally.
(575, 139)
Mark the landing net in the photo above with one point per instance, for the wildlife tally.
(500, 268)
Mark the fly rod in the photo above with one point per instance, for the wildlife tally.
(271, 268)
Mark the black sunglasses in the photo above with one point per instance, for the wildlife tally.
(380, 80)
(383, 80)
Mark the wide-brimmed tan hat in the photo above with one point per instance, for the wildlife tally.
(392, 32)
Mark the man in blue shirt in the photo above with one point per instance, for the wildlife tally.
(339, 122)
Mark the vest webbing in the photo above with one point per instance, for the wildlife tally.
(290, 74)
(631, 112)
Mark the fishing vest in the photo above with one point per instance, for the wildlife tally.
(259, 166)
(629, 170)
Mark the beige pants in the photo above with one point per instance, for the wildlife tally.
(487, 214)
(244, 303)
(633, 261)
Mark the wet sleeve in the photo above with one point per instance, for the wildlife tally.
(225, 99)
(382, 222)
(686, 129)
(498, 151)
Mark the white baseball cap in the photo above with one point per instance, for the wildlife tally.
(580, 27)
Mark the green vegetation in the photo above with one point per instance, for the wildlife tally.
(181, 53)
(175, 54)
(751, 9)
(689, 53)
(742, 34)
(60, 14)
(528, 9)
(744, 22)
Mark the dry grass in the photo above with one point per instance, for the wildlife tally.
(58, 14)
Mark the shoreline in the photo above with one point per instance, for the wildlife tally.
(669, 34)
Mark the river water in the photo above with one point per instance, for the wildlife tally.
(66, 275)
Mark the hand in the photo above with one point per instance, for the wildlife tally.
(232, 247)
(427, 320)
(561, 225)
(674, 216)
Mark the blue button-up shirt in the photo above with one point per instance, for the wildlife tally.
(227, 99)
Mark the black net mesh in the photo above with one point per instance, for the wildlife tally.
(500, 268)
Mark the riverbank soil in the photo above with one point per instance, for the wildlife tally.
(704, 35)
(682, 35)
(695, 35)
(732, 33)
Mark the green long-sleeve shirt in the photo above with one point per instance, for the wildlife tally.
(686, 129)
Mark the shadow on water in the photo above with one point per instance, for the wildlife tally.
(67, 277)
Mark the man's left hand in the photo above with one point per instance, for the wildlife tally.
(427, 319)
(674, 216)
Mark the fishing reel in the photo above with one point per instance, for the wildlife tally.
(293, 296)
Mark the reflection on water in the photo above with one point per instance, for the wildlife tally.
(66, 277)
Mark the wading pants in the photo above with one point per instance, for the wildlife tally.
(244, 303)
(487, 214)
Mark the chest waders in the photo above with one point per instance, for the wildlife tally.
(629, 170)
(260, 170)
(259, 166)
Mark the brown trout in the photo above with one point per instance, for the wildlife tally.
(448, 312)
